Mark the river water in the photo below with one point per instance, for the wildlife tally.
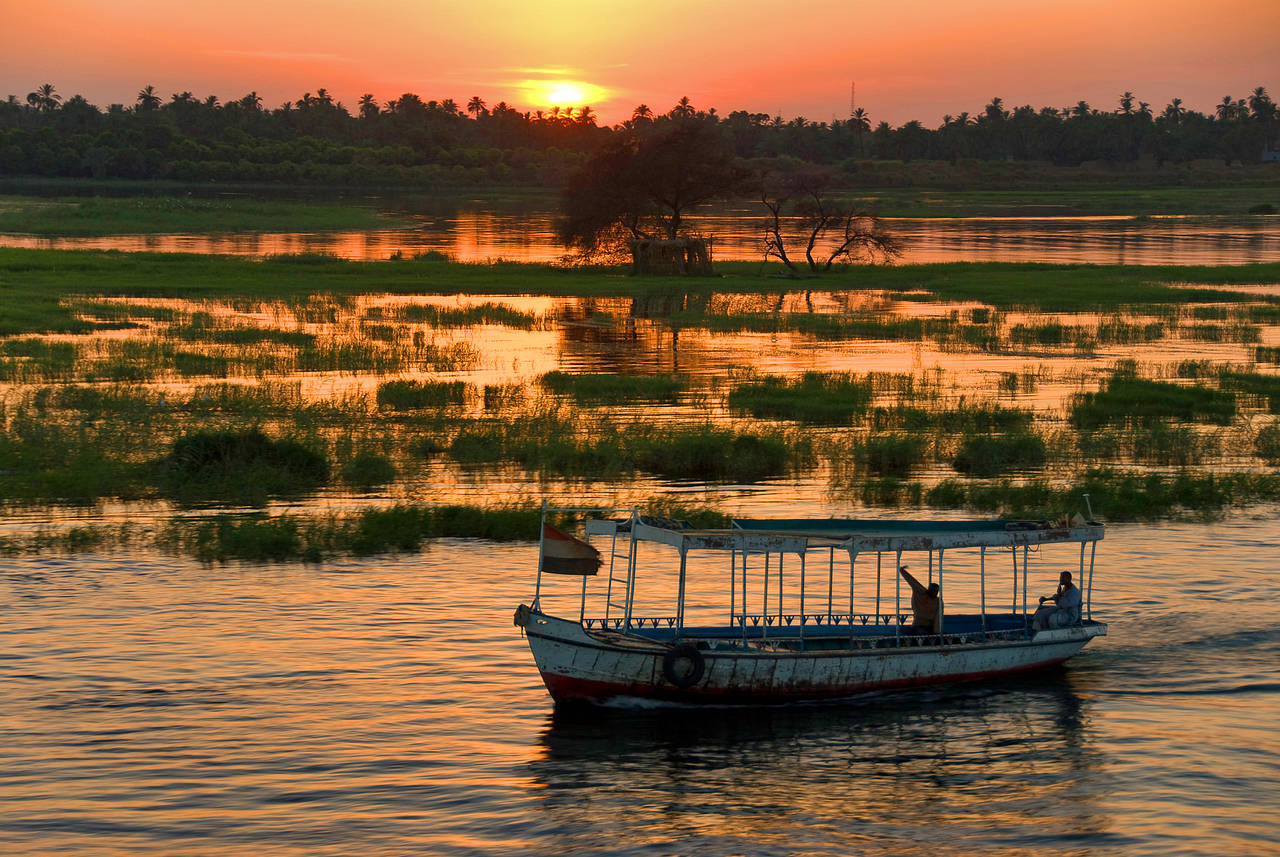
(481, 231)
(153, 706)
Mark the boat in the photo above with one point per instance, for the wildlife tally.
(816, 609)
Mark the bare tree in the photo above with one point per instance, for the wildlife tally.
(801, 200)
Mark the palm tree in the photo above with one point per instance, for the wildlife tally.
(1227, 109)
(252, 101)
(368, 106)
(683, 109)
(1260, 104)
(1174, 111)
(476, 106)
(147, 98)
(45, 98)
(860, 119)
(1126, 103)
(642, 111)
(586, 116)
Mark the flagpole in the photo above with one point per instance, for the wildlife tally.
(542, 537)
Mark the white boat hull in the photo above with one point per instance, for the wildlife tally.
(581, 666)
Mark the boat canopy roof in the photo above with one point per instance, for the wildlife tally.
(795, 535)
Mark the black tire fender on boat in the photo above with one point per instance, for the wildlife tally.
(684, 652)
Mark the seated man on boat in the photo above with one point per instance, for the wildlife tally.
(1064, 609)
(926, 605)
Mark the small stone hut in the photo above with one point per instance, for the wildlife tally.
(683, 256)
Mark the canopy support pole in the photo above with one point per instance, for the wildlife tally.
(982, 585)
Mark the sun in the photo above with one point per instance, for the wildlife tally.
(565, 94)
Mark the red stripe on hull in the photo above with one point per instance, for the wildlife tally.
(568, 689)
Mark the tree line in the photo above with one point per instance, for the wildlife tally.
(411, 142)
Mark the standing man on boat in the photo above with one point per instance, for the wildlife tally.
(926, 605)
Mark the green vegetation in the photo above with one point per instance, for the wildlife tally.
(485, 313)
(1267, 444)
(555, 444)
(603, 387)
(417, 141)
(42, 290)
(408, 395)
(1126, 398)
(816, 398)
(195, 399)
(239, 467)
(994, 455)
(892, 455)
(1116, 495)
(135, 215)
(368, 469)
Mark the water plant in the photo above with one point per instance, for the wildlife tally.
(243, 467)
(1125, 397)
(368, 469)
(408, 395)
(605, 387)
(1267, 444)
(816, 398)
(995, 455)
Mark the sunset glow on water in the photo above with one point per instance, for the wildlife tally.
(309, 312)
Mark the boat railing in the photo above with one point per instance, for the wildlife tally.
(860, 630)
(808, 620)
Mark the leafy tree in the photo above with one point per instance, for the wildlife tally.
(642, 184)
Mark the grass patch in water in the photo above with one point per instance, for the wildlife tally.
(1158, 443)
(552, 444)
(43, 462)
(1125, 397)
(140, 215)
(963, 418)
(1116, 495)
(604, 387)
(815, 398)
(411, 395)
(995, 455)
(368, 470)
(892, 455)
(485, 313)
(41, 286)
(1255, 384)
(1267, 444)
(243, 467)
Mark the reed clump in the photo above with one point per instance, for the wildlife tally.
(607, 387)
(485, 313)
(411, 395)
(963, 418)
(243, 467)
(368, 469)
(1116, 495)
(1267, 444)
(815, 398)
(1125, 397)
(995, 455)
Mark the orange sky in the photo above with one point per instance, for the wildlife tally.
(912, 59)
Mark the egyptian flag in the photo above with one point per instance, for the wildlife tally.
(563, 554)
